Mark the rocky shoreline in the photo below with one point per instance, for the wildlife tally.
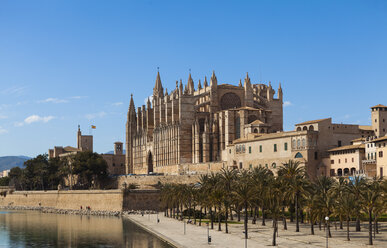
(78, 212)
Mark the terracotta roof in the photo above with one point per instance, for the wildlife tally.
(350, 147)
(380, 139)
(314, 121)
(368, 128)
(379, 106)
(265, 136)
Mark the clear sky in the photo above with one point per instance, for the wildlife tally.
(64, 63)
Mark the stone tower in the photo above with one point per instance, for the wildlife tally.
(379, 120)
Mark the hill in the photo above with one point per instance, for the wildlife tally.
(8, 162)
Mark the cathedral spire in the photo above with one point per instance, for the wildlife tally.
(191, 87)
(199, 85)
(214, 80)
(240, 83)
(158, 89)
(205, 82)
(247, 79)
(132, 110)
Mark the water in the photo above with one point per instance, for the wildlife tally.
(35, 229)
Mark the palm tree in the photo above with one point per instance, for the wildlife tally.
(227, 179)
(274, 198)
(370, 196)
(324, 197)
(244, 193)
(356, 187)
(294, 175)
(347, 204)
(338, 190)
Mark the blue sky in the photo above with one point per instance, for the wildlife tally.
(64, 63)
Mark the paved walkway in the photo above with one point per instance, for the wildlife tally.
(259, 236)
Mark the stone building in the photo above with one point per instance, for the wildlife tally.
(116, 161)
(194, 126)
(84, 143)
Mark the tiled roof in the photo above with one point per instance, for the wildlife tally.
(380, 139)
(379, 106)
(368, 128)
(350, 147)
(314, 121)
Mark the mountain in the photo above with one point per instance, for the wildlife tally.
(112, 152)
(8, 162)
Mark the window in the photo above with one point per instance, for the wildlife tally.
(315, 155)
(368, 155)
(237, 128)
(332, 161)
(376, 120)
(381, 154)
(230, 151)
(275, 147)
(240, 165)
(303, 143)
(250, 166)
(114, 164)
(372, 156)
(260, 148)
(339, 161)
(332, 172)
(249, 149)
(346, 160)
(339, 143)
(298, 144)
(298, 155)
(266, 166)
(353, 160)
(286, 146)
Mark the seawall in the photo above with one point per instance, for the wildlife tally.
(97, 200)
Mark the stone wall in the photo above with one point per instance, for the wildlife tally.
(142, 200)
(147, 182)
(107, 200)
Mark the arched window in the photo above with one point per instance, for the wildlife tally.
(237, 128)
(303, 143)
(298, 155)
(255, 130)
(311, 128)
(298, 144)
(298, 128)
(346, 172)
(353, 171)
(339, 172)
(305, 128)
(229, 101)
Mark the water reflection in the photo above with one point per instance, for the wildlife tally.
(35, 229)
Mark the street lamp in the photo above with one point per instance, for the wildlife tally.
(208, 233)
(327, 223)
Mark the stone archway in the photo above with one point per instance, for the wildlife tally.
(150, 162)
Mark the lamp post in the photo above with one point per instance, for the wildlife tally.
(208, 233)
(327, 223)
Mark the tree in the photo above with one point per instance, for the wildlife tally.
(244, 194)
(294, 176)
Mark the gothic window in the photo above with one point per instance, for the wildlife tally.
(294, 144)
(303, 143)
(298, 155)
(298, 144)
(229, 101)
(237, 128)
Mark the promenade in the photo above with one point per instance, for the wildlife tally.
(172, 230)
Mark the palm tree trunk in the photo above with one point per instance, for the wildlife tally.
(246, 213)
(319, 224)
(329, 229)
(231, 215)
(200, 216)
(239, 214)
(226, 219)
(284, 219)
(263, 216)
(212, 218)
(275, 232)
(376, 225)
(312, 228)
(341, 222)
(219, 220)
(296, 206)
(348, 228)
(370, 227)
(194, 213)
(358, 229)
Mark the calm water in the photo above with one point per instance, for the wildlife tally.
(35, 229)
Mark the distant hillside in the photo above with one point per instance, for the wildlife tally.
(112, 152)
(8, 162)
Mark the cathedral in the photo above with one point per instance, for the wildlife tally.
(189, 126)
